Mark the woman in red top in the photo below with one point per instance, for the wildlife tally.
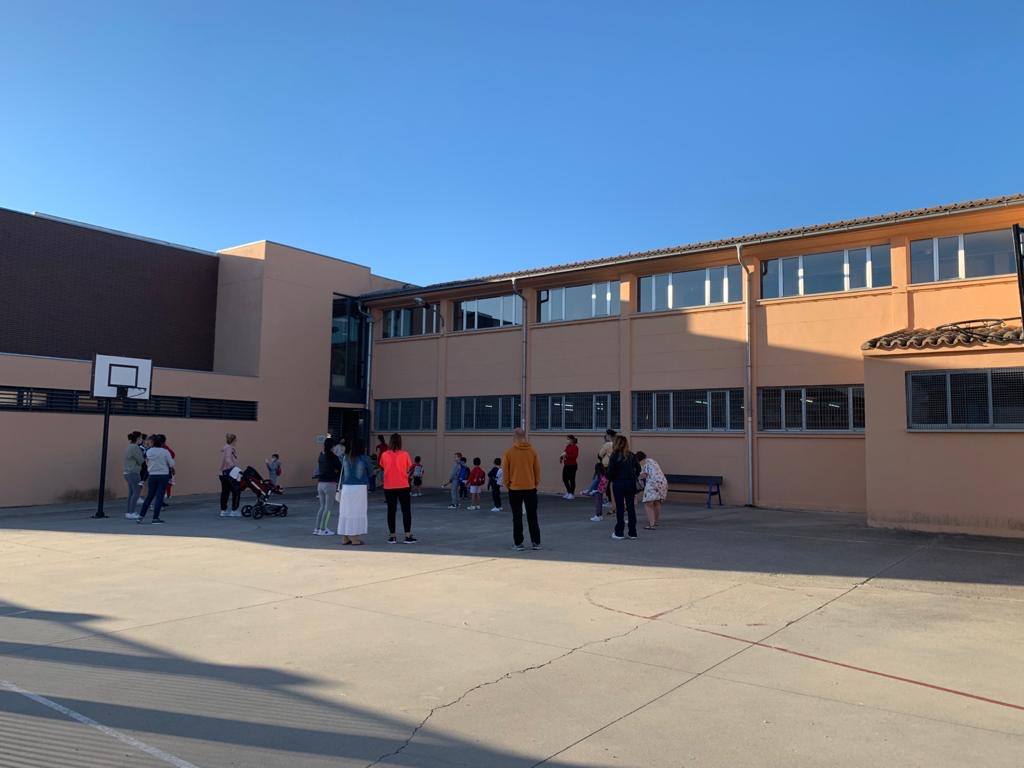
(568, 458)
(396, 464)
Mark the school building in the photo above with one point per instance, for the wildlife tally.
(873, 365)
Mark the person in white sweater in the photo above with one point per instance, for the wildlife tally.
(159, 464)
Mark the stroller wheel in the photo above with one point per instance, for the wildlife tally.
(284, 510)
(247, 510)
(257, 512)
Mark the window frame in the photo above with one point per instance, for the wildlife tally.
(505, 402)
(378, 404)
(672, 393)
(614, 415)
(723, 281)
(950, 425)
(868, 272)
(594, 315)
(460, 308)
(391, 321)
(961, 258)
(802, 429)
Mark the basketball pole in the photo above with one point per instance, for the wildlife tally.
(103, 458)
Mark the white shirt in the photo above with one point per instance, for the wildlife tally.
(159, 461)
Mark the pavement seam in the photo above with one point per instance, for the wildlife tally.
(486, 684)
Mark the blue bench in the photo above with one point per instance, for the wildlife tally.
(712, 485)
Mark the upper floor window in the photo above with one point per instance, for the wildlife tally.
(482, 413)
(693, 288)
(575, 411)
(849, 270)
(578, 302)
(975, 254)
(688, 410)
(955, 400)
(811, 409)
(415, 414)
(493, 312)
(411, 321)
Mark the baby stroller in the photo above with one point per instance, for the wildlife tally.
(253, 481)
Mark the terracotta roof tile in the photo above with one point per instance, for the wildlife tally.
(964, 333)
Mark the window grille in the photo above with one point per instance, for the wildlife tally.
(688, 410)
(965, 400)
(834, 271)
(576, 411)
(414, 414)
(483, 413)
(811, 409)
(162, 406)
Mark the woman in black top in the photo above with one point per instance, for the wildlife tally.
(328, 471)
(623, 471)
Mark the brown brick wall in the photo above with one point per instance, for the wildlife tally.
(70, 291)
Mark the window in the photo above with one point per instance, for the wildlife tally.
(348, 351)
(487, 413)
(494, 312)
(577, 411)
(689, 410)
(693, 288)
(811, 409)
(411, 321)
(833, 271)
(578, 302)
(418, 414)
(164, 406)
(975, 254)
(964, 400)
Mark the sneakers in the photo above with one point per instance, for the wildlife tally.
(139, 520)
(535, 546)
(327, 532)
(617, 537)
(392, 539)
(409, 539)
(131, 515)
(495, 509)
(596, 519)
(234, 513)
(453, 506)
(568, 496)
(157, 521)
(518, 548)
(632, 536)
(225, 513)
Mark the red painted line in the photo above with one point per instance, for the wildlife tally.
(865, 670)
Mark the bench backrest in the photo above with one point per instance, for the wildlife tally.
(695, 479)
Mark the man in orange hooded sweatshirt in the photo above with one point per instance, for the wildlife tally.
(522, 477)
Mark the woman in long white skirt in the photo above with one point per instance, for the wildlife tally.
(355, 476)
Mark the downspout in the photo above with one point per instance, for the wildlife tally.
(748, 379)
(522, 384)
(369, 359)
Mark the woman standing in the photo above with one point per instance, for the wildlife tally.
(229, 485)
(328, 471)
(159, 463)
(623, 470)
(396, 464)
(355, 476)
(655, 487)
(134, 458)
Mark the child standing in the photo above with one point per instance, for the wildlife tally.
(453, 480)
(475, 481)
(601, 477)
(274, 469)
(494, 478)
(463, 477)
(417, 477)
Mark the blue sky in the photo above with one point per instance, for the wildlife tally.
(439, 140)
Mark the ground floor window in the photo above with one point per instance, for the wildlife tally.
(979, 399)
(416, 414)
(688, 410)
(575, 411)
(811, 409)
(482, 413)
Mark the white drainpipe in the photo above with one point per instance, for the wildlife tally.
(748, 394)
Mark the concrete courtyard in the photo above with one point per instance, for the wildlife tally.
(730, 637)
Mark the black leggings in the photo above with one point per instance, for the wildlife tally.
(229, 487)
(394, 497)
(569, 477)
(496, 495)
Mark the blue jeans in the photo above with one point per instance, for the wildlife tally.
(625, 496)
(132, 478)
(157, 488)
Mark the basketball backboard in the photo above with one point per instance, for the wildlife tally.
(133, 374)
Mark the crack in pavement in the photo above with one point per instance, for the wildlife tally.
(486, 684)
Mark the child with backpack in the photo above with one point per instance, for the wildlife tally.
(475, 482)
(463, 477)
(494, 481)
(416, 474)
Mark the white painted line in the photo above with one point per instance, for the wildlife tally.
(124, 738)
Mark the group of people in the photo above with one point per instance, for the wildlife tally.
(149, 460)
(470, 483)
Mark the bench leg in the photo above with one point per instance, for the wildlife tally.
(718, 492)
(708, 503)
